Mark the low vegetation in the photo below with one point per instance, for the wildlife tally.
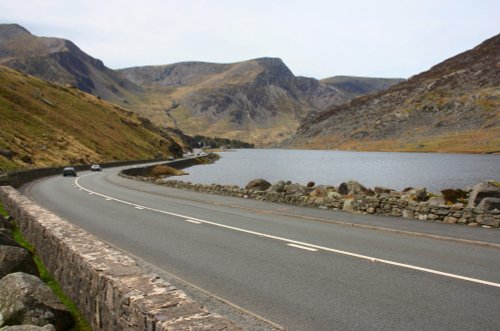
(80, 322)
(45, 124)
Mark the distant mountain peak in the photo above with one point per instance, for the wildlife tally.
(10, 31)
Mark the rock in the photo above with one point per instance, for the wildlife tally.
(15, 259)
(278, 187)
(348, 206)
(343, 189)
(436, 201)
(311, 184)
(295, 189)
(258, 185)
(380, 190)
(421, 194)
(333, 195)
(454, 195)
(48, 327)
(481, 191)
(450, 220)
(489, 204)
(355, 188)
(27, 300)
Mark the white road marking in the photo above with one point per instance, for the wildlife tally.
(138, 207)
(109, 199)
(192, 221)
(303, 247)
(291, 241)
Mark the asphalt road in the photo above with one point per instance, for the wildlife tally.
(302, 268)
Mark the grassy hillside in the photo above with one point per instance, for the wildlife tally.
(43, 124)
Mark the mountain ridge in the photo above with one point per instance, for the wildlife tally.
(60, 60)
(452, 107)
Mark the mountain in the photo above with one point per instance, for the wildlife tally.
(61, 61)
(358, 86)
(44, 124)
(258, 100)
(453, 107)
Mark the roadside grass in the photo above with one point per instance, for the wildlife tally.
(80, 322)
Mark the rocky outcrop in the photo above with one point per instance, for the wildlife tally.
(27, 300)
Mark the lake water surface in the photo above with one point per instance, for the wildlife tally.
(393, 170)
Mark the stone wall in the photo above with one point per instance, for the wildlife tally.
(109, 288)
(383, 202)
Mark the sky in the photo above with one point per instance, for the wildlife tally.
(315, 38)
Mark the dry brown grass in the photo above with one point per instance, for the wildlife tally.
(48, 125)
(163, 171)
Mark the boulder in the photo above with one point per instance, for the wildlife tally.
(355, 188)
(481, 191)
(27, 300)
(311, 184)
(295, 189)
(420, 194)
(436, 201)
(352, 187)
(48, 327)
(15, 259)
(489, 204)
(258, 185)
(343, 189)
(278, 187)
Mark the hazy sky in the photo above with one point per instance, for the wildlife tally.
(315, 38)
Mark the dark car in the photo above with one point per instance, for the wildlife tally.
(69, 171)
(95, 167)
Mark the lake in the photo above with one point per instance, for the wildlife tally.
(394, 170)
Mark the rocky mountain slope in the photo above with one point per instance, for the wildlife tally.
(453, 107)
(59, 60)
(355, 87)
(258, 100)
(44, 124)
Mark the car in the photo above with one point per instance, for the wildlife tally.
(95, 167)
(69, 171)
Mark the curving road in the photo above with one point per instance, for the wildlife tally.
(304, 269)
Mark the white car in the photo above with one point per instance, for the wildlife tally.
(95, 167)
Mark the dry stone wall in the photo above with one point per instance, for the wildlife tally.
(109, 288)
(381, 201)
